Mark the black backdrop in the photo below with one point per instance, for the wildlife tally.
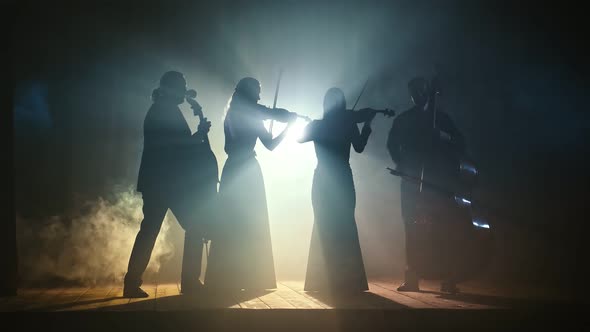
(517, 74)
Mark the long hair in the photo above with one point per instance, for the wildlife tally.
(156, 95)
(245, 92)
(334, 102)
(172, 86)
(419, 89)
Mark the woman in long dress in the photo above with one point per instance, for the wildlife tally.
(241, 252)
(335, 261)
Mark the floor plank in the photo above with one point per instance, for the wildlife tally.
(399, 298)
(62, 297)
(140, 304)
(43, 298)
(26, 298)
(113, 301)
(296, 299)
(363, 300)
(168, 298)
(174, 301)
(275, 301)
(430, 296)
(382, 295)
(250, 300)
(90, 299)
(298, 288)
(165, 294)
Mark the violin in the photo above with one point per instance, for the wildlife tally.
(359, 116)
(387, 112)
(363, 115)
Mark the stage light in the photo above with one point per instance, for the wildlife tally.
(468, 167)
(480, 224)
(296, 131)
(462, 201)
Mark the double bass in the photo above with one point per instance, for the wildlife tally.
(207, 171)
(451, 242)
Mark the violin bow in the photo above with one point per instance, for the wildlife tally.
(274, 105)
(360, 94)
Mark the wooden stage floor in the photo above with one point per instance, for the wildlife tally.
(382, 307)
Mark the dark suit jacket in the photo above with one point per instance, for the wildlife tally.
(412, 142)
(169, 162)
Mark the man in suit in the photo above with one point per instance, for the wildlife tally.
(169, 179)
(418, 148)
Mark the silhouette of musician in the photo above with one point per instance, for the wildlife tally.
(335, 261)
(421, 151)
(169, 179)
(241, 250)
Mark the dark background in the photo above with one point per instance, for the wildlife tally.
(514, 80)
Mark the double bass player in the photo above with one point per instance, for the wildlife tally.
(421, 142)
(170, 178)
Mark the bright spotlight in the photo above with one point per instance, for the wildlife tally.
(296, 131)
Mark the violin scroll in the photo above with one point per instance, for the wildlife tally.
(387, 112)
(304, 117)
(367, 114)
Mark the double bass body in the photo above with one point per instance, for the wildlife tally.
(206, 166)
(443, 239)
(450, 241)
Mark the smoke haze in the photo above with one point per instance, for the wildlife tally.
(90, 247)
(84, 84)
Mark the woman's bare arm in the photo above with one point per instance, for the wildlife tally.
(268, 141)
(359, 140)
